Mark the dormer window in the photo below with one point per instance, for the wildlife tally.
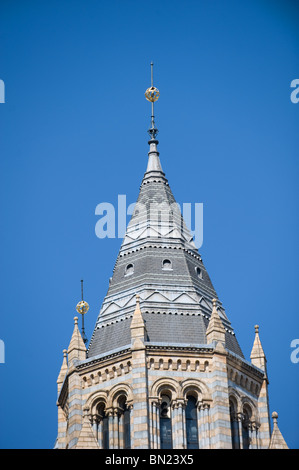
(198, 272)
(166, 264)
(129, 270)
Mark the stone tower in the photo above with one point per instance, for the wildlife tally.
(163, 368)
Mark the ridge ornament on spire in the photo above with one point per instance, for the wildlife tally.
(152, 94)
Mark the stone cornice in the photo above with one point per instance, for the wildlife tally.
(234, 360)
(102, 358)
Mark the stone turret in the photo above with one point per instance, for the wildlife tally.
(257, 355)
(258, 359)
(76, 350)
(138, 329)
(277, 441)
(215, 331)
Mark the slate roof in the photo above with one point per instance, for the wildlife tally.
(161, 328)
(176, 300)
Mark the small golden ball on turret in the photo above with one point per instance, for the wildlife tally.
(152, 94)
(82, 307)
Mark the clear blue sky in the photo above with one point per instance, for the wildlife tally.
(73, 134)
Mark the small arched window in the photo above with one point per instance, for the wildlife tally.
(198, 272)
(165, 423)
(191, 423)
(245, 426)
(124, 423)
(166, 264)
(129, 269)
(234, 424)
(103, 427)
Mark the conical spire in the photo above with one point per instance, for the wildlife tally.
(277, 441)
(154, 165)
(257, 355)
(158, 260)
(76, 349)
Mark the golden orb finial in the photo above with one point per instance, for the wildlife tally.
(82, 307)
(152, 94)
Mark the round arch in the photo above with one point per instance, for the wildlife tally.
(235, 398)
(95, 399)
(119, 390)
(196, 388)
(166, 384)
(251, 408)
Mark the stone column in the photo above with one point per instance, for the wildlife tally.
(94, 422)
(250, 434)
(184, 426)
(181, 425)
(174, 425)
(206, 426)
(240, 420)
(110, 429)
(255, 435)
(158, 426)
(121, 431)
(100, 433)
(153, 404)
(115, 429)
(201, 442)
(235, 431)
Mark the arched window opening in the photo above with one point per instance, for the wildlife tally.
(234, 425)
(124, 423)
(198, 272)
(127, 428)
(129, 269)
(191, 423)
(246, 427)
(166, 264)
(165, 423)
(103, 427)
